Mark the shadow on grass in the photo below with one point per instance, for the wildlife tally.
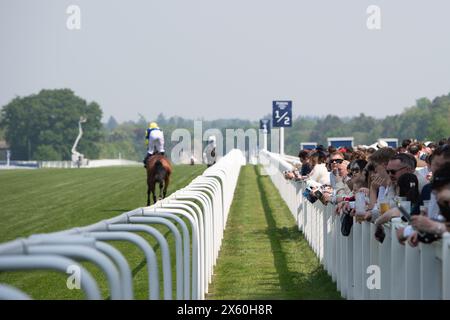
(294, 285)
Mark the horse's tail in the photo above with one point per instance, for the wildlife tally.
(160, 172)
(158, 165)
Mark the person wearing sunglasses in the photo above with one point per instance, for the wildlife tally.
(400, 164)
(439, 160)
(356, 167)
(336, 159)
(407, 187)
(404, 163)
(356, 173)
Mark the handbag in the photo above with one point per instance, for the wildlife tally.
(346, 224)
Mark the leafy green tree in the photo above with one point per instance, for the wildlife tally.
(50, 118)
(112, 123)
(423, 103)
(439, 119)
(46, 153)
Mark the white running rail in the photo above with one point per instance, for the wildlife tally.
(405, 272)
(195, 215)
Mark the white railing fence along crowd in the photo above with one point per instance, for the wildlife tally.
(362, 267)
(196, 215)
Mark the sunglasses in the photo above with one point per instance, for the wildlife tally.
(393, 172)
(440, 179)
(338, 161)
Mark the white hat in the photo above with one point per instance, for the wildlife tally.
(374, 146)
(382, 144)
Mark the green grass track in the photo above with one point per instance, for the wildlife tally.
(263, 254)
(48, 200)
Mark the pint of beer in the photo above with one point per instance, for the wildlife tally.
(359, 217)
(384, 206)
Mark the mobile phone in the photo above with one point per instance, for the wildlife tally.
(319, 195)
(309, 195)
(405, 213)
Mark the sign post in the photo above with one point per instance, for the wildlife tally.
(264, 126)
(281, 118)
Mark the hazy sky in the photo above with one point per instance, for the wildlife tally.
(228, 58)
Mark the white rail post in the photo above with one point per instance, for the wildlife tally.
(357, 260)
(430, 273)
(446, 266)
(344, 264)
(10, 293)
(338, 254)
(334, 255)
(374, 259)
(141, 243)
(365, 258)
(350, 273)
(14, 262)
(397, 263)
(385, 265)
(412, 273)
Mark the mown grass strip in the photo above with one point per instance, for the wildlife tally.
(263, 255)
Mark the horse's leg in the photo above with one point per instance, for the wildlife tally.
(166, 184)
(160, 190)
(154, 192)
(151, 190)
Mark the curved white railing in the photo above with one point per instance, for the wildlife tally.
(195, 215)
(362, 267)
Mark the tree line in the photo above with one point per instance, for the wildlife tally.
(44, 126)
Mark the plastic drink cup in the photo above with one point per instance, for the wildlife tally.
(406, 205)
(360, 206)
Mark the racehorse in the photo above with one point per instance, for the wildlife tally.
(158, 171)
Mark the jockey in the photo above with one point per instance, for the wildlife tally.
(210, 151)
(154, 139)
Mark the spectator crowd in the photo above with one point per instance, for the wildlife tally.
(377, 184)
